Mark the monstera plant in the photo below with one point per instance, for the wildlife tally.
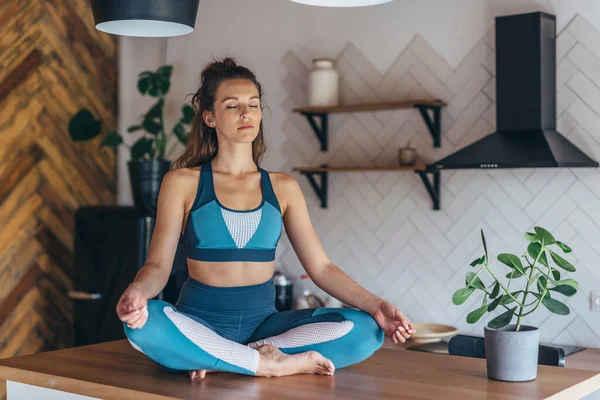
(148, 163)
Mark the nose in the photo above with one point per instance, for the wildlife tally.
(245, 112)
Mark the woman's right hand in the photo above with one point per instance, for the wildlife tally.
(132, 307)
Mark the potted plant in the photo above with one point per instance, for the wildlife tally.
(512, 349)
(149, 162)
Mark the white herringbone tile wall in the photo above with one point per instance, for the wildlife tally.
(380, 227)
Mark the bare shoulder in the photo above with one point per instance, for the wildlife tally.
(181, 177)
(286, 188)
(182, 183)
(283, 182)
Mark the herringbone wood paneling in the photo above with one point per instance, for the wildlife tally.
(52, 63)
(380, 227)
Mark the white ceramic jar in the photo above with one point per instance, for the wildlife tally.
(323, 84)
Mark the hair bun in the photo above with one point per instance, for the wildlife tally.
(229, 62)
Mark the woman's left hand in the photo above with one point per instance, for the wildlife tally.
(393, 322)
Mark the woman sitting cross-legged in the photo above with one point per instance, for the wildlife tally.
(231, 213)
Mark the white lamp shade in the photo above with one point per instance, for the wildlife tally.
(342, 3)
(144, 28)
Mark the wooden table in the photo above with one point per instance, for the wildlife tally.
(115, 370)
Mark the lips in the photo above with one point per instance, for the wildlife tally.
(246, 127)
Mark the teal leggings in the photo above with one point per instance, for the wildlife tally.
(220, 328)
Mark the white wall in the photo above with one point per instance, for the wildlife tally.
(380, 227)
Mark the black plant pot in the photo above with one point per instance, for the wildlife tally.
(146, 177)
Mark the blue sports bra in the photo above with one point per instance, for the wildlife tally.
(214, 232)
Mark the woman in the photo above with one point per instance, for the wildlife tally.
(231, 213)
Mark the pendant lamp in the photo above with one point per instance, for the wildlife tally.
(342, 3)
(145, 18)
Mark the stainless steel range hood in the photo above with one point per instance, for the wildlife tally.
(526, 135)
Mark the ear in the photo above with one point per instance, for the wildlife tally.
(208, 118)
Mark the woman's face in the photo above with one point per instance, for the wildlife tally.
(237, 111)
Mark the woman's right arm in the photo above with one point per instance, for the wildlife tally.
(153, 276)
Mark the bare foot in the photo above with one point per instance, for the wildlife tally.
(201, 373)
(273, 362)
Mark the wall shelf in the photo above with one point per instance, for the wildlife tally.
(321, 187)
(430, 111)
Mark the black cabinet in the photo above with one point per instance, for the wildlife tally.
(111, 244)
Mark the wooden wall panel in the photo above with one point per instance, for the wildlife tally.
(52, 62)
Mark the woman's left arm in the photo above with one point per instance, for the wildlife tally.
(325, 274)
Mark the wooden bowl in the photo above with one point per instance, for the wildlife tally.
(430, 333)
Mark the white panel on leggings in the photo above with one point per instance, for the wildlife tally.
(242, 225)
(135, 346)
(215, 345)
(308, 334)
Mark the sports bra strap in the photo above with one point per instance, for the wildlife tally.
(267, 189)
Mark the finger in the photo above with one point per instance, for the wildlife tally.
(202, 374)
(400, 337)
(403, 333)
(133, 313)
(193, 374)
(394, 340)
(141, 315)
(133, 323)
(139, 323)
(130, 317)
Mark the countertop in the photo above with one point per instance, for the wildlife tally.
(115, 370)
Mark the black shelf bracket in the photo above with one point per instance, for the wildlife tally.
(433, 188)
(433, 124)
(322, 188)
(322, 129)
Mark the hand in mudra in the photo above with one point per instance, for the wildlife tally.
(393, 322)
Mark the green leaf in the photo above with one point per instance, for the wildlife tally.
(534, 249)
(502, 319)
(156, 111)
(555, 274)
(512, 261)
(484, 244)
(561, 262)
(569, 282)
(565, 290)
(514, 274)
(188, 114)
(532, 237)
(476, 315)
(542, 283)
(113, 139)
(461, 295)
(134, 128)
(494, 304)
(495, 291)
(472, 280)
(165, 71)
(83, 126)
(144, 84)
(140, 148)
(564, 247)
(477, 261)
(546, 238)
(553, 305)
(179, 131)
(151, 127)
(506, 299)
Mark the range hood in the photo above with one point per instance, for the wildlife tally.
(526, 135)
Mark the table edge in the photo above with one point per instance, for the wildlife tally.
(72, 385)
(580, 389)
